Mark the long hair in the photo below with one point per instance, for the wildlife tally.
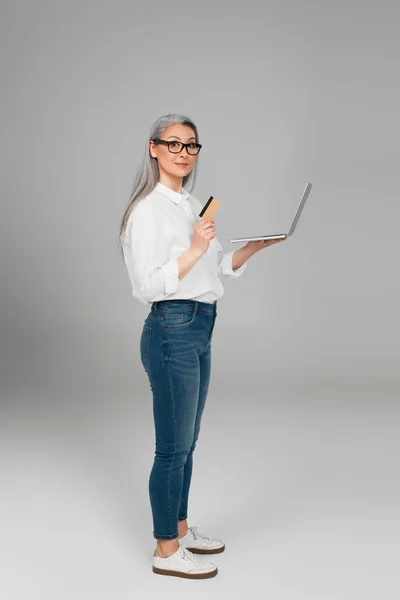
(147, 174)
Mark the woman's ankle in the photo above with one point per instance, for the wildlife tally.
(167, 547)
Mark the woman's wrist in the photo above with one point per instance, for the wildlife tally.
(241, 256)
(195, 252)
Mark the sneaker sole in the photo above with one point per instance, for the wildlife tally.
(183, 574)
(206, 550)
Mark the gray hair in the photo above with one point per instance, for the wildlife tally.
(148, 173)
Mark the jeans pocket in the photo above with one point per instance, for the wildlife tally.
(145, 344)
(174, 320)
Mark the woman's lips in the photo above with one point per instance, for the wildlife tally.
(182, 164)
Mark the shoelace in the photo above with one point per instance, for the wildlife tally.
(194, 557)
(198, 535)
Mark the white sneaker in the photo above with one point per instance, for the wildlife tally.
(183, 563)
(200, 544)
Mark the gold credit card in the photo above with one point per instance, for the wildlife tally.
(210, 208)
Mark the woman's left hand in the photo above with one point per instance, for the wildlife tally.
(257, 245)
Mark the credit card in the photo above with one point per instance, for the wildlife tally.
(210, 208)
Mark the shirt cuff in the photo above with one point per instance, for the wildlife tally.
(171, 279)
(225, 265)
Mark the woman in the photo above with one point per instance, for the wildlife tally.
(174, 262)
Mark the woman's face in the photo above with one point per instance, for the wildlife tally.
(175, 165)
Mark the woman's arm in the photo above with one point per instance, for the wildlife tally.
(243, 254)
(157, 272)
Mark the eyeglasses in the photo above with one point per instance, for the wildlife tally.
(176, 147)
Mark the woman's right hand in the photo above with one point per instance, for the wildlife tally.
(203, 232)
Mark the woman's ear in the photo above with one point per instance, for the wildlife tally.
(151, 150)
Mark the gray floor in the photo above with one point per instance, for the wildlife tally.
(301, 484)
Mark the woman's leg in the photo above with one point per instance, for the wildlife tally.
(173, 369)
(205, 372)
(175, 354)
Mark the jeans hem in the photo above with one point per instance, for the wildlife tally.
(165, 537)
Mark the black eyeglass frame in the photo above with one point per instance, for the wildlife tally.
(168, 142)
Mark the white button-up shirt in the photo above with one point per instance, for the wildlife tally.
(159, 229)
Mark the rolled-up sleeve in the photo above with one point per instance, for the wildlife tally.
(225, 263)
(155, 272)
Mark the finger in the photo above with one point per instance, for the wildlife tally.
(206, 223)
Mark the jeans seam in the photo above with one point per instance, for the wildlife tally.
(209, 339)
(173, 456)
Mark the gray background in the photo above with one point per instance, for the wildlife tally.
(295, 467)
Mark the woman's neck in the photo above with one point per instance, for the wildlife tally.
(173, 183)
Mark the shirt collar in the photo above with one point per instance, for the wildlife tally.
(171, 194)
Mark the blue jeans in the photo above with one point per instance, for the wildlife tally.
(175, 349)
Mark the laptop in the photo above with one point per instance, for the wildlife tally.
(279, 236)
